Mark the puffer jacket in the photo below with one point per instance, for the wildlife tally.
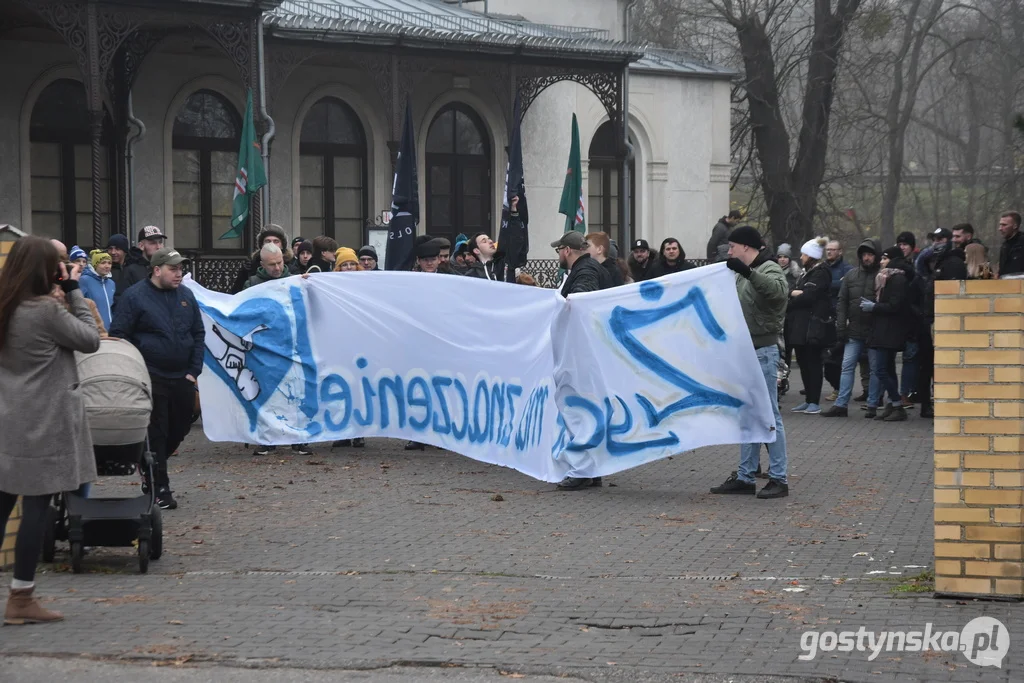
(851, 321)
(763, 298)
(262, 276)
(101, 291)
(814, 303)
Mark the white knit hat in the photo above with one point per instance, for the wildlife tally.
(813, 249)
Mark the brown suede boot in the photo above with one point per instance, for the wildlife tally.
(22, 608)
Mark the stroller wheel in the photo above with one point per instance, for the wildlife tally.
(156, 545)
(50, 534)
(77, 550)
(144, 556)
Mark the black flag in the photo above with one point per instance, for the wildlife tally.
(514, 237)
(405, 202)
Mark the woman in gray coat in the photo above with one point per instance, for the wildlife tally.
(46, 447)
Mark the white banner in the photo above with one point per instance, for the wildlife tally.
(505, 374)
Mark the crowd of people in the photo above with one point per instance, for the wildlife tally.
(833, 316)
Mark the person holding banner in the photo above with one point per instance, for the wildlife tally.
(763, 292)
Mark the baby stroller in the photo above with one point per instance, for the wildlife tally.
(115, 385)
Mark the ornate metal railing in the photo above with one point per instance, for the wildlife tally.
(218, 273)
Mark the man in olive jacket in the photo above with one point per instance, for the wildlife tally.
(853, 323)
(763, 292)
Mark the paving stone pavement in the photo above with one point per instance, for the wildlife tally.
(356, 559)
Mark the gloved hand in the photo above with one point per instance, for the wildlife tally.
(867, 305)
(737, 266)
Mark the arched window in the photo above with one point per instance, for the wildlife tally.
(458, 173)
(332, 174)
(204, 162)
(61, 164)
(603, 184)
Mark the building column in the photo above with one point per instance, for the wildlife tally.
(656, 214)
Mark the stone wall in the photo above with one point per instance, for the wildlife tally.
(979, 467)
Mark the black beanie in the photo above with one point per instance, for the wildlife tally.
(907, 238)
(893, 253)
(747, 236)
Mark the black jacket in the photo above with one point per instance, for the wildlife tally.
(613, 272)
(586, 275)
(950, 265)
(892, 322)
(136, 269)
(663, 267)
(491, 270)
(165, 325)
(1011, 255)
(851, 321)
(321, 266)
(718, 245)
(815, 303)
(638, 272)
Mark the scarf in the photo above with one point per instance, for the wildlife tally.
(882, 278)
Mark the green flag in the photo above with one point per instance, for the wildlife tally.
(572, 204)
(251, 175)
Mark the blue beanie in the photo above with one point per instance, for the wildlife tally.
(76, 253)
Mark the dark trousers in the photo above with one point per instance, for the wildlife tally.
(29, 542)
(925, 367)
(811, 371)
(170, 422)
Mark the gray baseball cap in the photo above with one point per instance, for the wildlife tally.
(166, 257)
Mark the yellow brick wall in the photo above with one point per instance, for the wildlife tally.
(7, 546)
(979, 423)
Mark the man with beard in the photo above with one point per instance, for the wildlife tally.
(1011, 252)
(853, 324)
(671, 259)
(640, 261)
(118, 248)
(584, 274)
(151, 240)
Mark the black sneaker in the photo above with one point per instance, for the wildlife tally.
(899, 414)
(575, 483)
(264, 450)
(889, 409)
(165, 501)
(927, 411)
(836, 411)
(359, 443)
(734, 485)
(301, 449)
(596, 482)
(342, 443)
(774, 489)
(413, 446)
(869, 413)
(862, 398)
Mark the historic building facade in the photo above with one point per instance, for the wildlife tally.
(119, 115)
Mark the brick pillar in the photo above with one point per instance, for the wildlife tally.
(7, 543)
(979, 432)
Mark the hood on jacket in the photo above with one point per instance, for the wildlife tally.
(91, 273)
(135, 255)
(874, 247)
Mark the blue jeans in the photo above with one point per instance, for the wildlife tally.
(908, 381)
(883, 377)
(750, 453)
(851, 356)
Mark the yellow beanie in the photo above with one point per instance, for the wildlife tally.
(344, 254)
(98, 256)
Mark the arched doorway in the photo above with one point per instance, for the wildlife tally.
(204, 159)
(61, 166)
(332, 174)
(603, 185)
(458, 163)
